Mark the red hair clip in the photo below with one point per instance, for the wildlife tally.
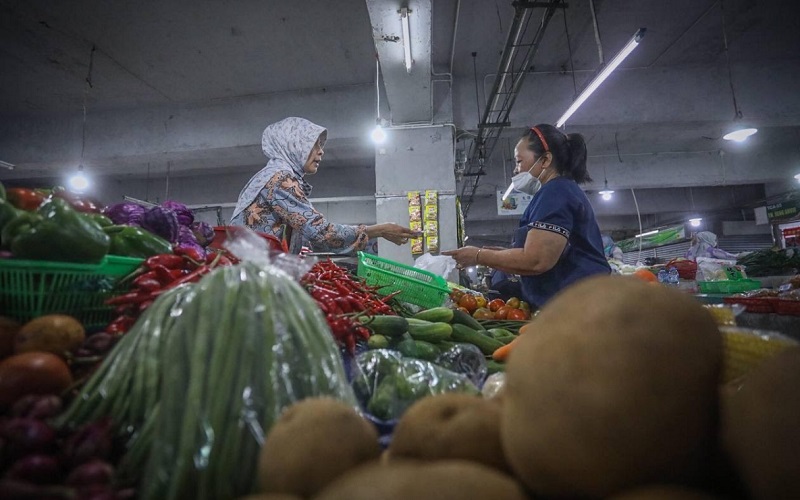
(541, 138)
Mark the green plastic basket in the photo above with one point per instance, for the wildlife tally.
(416, 286)
(32, 288)
(728, 286)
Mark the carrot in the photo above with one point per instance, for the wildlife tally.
(501, 353)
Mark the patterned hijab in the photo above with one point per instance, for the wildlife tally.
(287, 144)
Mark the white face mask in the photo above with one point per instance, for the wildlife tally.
(525, 182)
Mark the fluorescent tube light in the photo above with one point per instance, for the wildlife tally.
(7, 165)
(625, 52)
(648, 233)
(740, 135)
(406, 38)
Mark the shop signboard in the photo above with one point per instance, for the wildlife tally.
(658, 238)
(784, 210)
(515, 204)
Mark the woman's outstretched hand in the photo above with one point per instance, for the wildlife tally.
(395, 233)
(464, 256)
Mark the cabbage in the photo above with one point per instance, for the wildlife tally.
(127, 213)
(203, 233)
(185, 216)
(163, 222)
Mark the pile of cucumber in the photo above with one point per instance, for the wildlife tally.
(428, 333)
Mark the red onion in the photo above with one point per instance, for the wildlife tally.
(91, 473)
(12, 489)
(37, 406)
(38, 469)
(90, 441)
(25, 436)
(99, 343)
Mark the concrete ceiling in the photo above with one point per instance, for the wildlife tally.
(193, 83)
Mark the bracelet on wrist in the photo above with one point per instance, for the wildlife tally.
(477, 255)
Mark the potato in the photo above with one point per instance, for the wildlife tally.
(32, 373)
(451, 426)
(442, 480)
(53, 333)
(662, 493)
(613, 386)
(8, 332)
(761, 427)
(311, 444)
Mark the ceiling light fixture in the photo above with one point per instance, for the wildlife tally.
(797, 177)
(606, 193)
(7, 165)
(740, 131)
(404, 12)
(648, 233)
(378, 135)
(695, 221)
(600, 78)
(79, 181)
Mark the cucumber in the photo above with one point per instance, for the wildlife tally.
(445, 345)
(390, 326)
(419, 349)
(432, 332)
(418, 322)
(506, 339)
(487, 345)
(377, 341)
(495, 366)
(436, 314)
(467, 320)
(499, 332)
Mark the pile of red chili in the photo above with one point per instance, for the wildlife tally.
(343, 299)
(156, 275)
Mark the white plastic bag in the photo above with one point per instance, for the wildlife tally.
(441, 265)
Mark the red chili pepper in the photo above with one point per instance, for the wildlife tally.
(163, 275)
(168, 260)
(150, 285)
(149, 275)
(121, 324)
(356, 304)
(190, 253)
(362, 332)
(189, 278)
(344, 304)
(322, 307)
(147, 303)
(136, 297)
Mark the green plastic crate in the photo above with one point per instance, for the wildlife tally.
(416, 286)
(32, 288)
(728, 286)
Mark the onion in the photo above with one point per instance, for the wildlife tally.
(90, 441)
(24, 436)
(92, 472)
(13, 489)
(35, 406)
(99, 343)
(38, 469)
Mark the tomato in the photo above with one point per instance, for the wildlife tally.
(462, 309)
(468, 302)
(513, 302)
(517, 314)
(483, 313)
(24, 199)
(502, 313)
(646, 275)
(525, 306)
(456, 295)
(481, 300)
(496, 304)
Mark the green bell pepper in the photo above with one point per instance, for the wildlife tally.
(7, 214)
(56, 232)
(20, 222)
(99, 218)
(132, 241)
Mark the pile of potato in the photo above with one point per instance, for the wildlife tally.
(613, 392)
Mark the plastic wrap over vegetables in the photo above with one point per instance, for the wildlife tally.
(388, 383)
(185, 216)
(203, 233)
(466, 359)
(161, 221)
(127, 213)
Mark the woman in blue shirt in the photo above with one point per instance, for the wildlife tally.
(558, 241)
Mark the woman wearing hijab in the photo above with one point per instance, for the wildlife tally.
(275, 200)
(558, 240)
(704, 244)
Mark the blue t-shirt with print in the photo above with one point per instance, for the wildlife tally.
(561, 207)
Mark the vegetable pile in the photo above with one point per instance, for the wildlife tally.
(771, 262)
(341, 298)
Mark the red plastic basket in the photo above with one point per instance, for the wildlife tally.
(761, 305)
(221, 234)
(787, 307)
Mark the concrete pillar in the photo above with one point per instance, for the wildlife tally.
(415, 159)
